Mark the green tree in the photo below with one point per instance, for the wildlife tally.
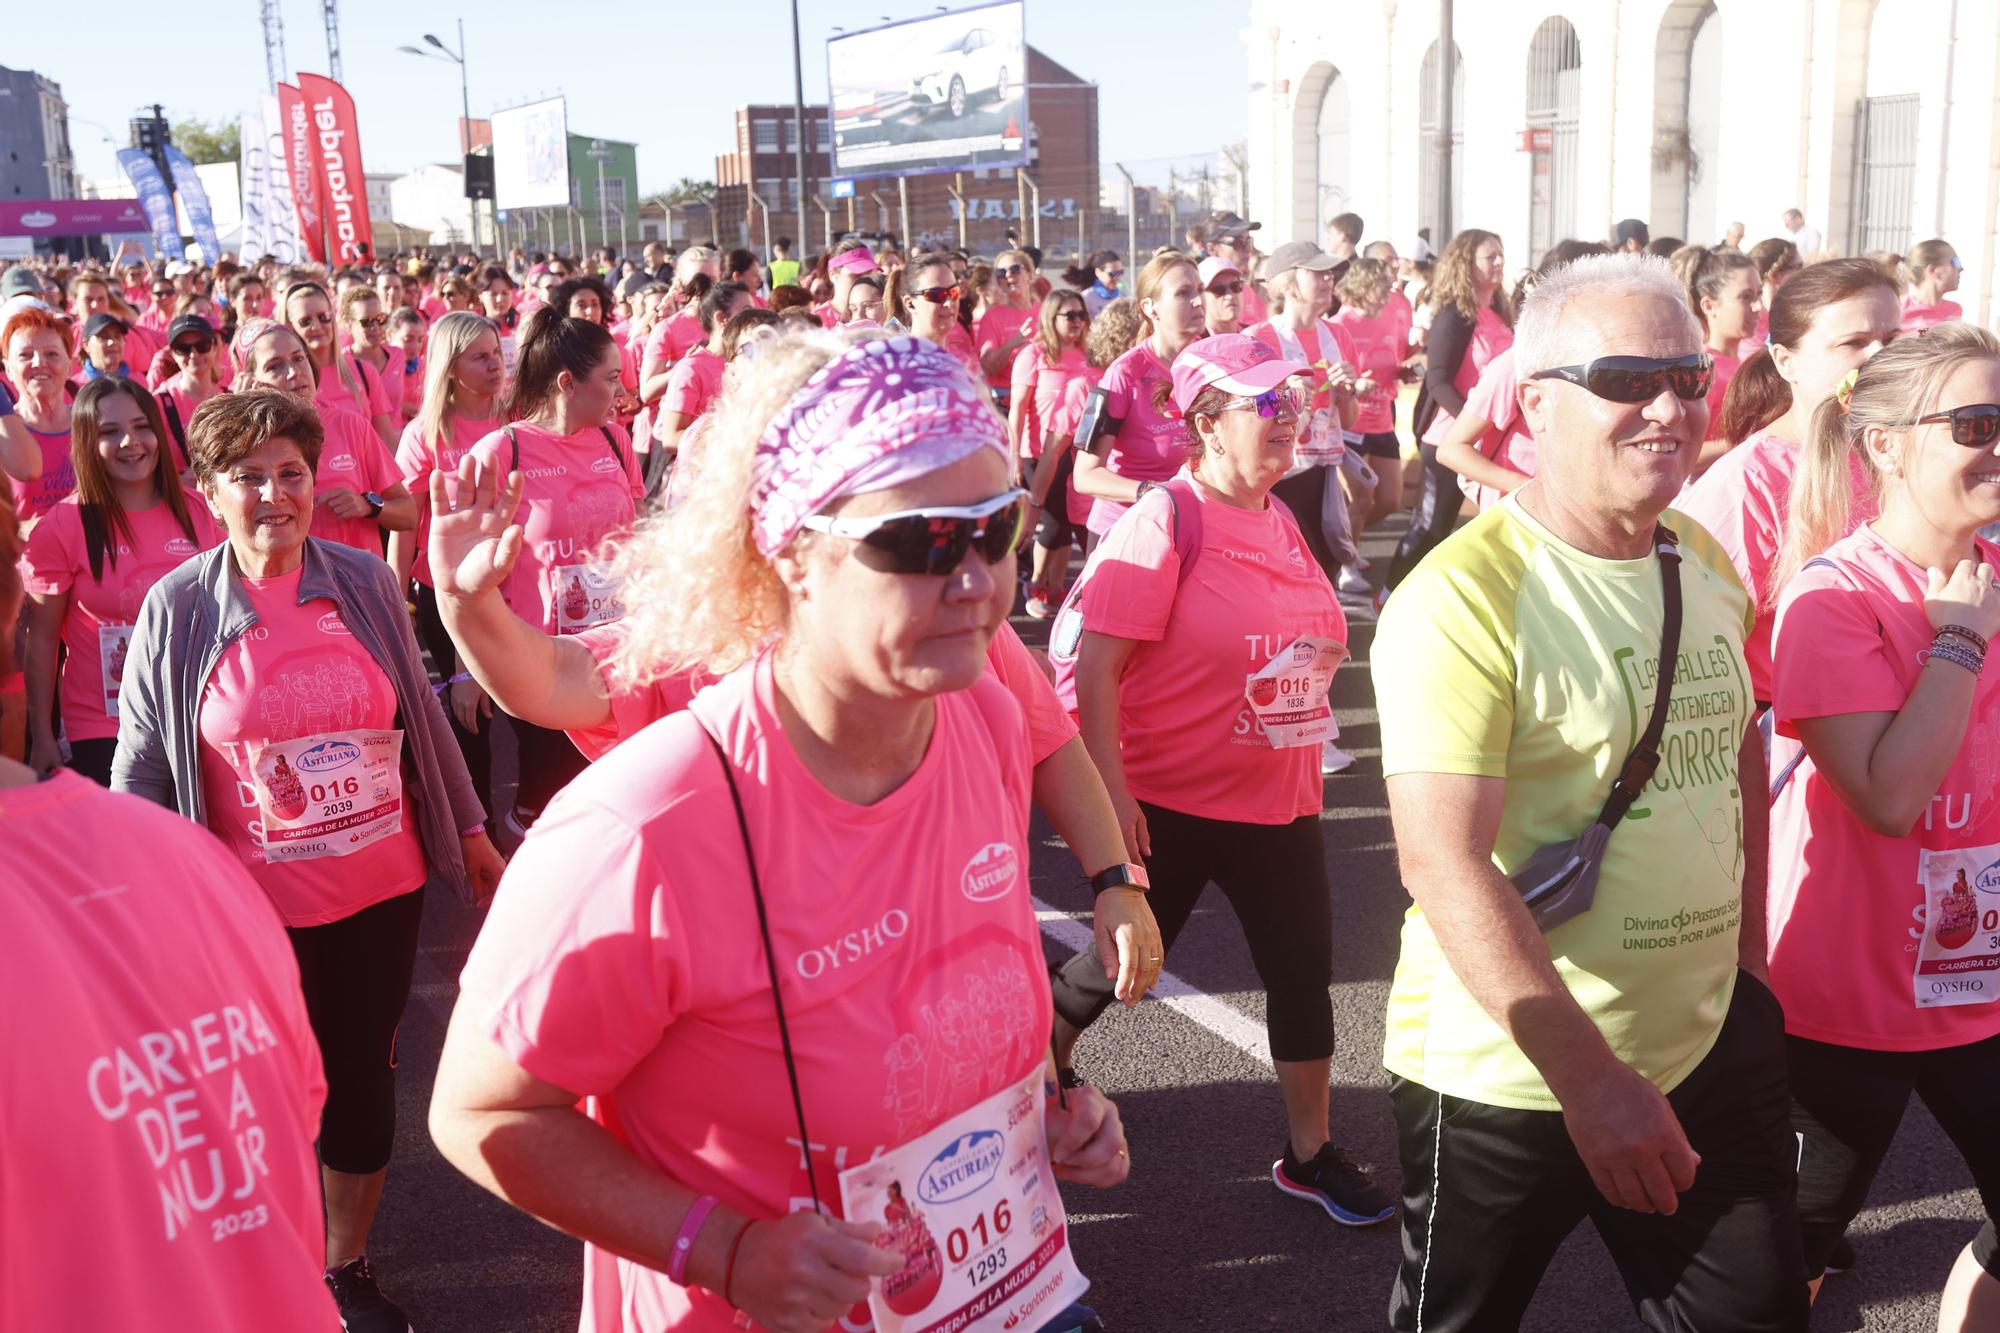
(204, 143)
(683, 192)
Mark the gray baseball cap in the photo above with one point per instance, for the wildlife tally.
(1299, 254)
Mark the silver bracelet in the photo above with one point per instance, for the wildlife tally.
(1958, 655)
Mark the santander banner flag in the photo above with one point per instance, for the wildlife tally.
(343, 187)
(301, 163)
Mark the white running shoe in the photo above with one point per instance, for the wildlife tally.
(1333, 759)
(1354, 583)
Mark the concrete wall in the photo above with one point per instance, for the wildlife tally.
(1789, 77)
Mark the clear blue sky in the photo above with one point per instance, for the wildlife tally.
(1172, 74)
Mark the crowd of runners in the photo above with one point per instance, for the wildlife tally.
(1703, 856)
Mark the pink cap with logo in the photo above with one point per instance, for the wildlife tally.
(1214, 267)
(854, 261)
(1233, 362)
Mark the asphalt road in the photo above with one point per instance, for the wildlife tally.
(1198, 1239)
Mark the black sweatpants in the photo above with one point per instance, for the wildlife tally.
(356, 976)
(1305, 493)
(1274, 876)
(1432, 520)
(1489, 1193)
(1846, 1105)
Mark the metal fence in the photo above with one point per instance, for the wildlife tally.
(1885, 173)
(1555, 71)
(1427, 131)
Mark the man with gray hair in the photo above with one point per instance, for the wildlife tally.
(1578, 1025)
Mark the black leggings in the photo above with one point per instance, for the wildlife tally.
(1055, 531)
(476, 746)
(1305, 494)
(1433, 518)
(548, 760)
(356, 976)
(93, 759)
(1274, 876)
(1846, 1105)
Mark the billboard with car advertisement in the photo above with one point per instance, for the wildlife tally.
(943, 93)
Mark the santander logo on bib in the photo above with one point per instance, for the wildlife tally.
(991, 872)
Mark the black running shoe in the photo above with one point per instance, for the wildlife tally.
(1335, 1184)
(1842, 1258)
(363, 1307)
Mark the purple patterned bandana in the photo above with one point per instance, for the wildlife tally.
(885, 412)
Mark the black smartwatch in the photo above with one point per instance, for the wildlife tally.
(375, 503)
(1125, 875)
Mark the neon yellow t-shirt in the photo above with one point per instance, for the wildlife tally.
(782, 271)
(1509, 654)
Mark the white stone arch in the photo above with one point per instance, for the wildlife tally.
(1322, 149)
(1427, 135)
(1554, 119)
(1678, 145)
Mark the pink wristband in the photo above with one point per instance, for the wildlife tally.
(677, 1263)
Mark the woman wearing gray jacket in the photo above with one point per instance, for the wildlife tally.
(273, 692)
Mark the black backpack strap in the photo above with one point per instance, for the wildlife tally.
(514, 445)
(173, 414)
(1644, 760)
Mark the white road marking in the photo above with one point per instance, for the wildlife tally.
(1218, 1018)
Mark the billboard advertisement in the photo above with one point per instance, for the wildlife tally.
(531, 156)
(943, 93)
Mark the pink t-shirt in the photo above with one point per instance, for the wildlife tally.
(1507, 440)
(1490, 337)
(1848, 905)
(185, 406)
(1726, 367)
(1917, 318)
(418, 457)
(634, 708)
(58, 479)
(1255, 308)
(994, 328)
(694, 385)
(1743, 501)
(368, 399)
(959, 343)
(298, 671)
(390, 378)
(101, 612)
(1318, 346)
(161, 1105)
(1038, 387)
(622, 960)
(681, 335)
(1378, 352)
(352, 456)
(575, 497)
(1153, 444)
(163, 368)
(1191, 741)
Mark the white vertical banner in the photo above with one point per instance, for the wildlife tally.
(270, 223)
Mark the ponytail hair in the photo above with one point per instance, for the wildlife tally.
(1759, 395)
(1896, 386)
(1084, 276)
(1709, 274)
(550, 343)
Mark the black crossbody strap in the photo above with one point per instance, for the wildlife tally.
(770, 960)
(1644, 760)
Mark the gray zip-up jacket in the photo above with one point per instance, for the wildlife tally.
(193, 614)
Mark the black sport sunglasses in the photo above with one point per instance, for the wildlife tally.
(933, 541)
(1976, 425)
(1638, 379)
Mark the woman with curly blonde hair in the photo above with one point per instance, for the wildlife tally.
(851, 776)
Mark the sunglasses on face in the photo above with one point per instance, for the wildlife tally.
(1638, 379)
(1976, 425)
(379, 322)
(321, 318)
(939, 295)
(1225, 289)
(163, 293)
(1011, 271)
(933, 541)
(1075, 316)
(1269, 403)
(202, 348)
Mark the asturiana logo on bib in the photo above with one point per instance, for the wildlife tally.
(329, 755)
(331, 623)
(1988, 880)
(991, 872)
(963, 1168)
(606, 465)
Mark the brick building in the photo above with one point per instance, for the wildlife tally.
(1062, 163)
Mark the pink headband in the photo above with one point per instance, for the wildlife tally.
(854, 261)
(884, 412)
(249, 332)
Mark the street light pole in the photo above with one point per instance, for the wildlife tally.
(799, 113)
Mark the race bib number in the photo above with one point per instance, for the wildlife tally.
(587, 594)
(112, 643)
(1958, 960)
(972, 1207)
(1289, 694)
(328, 795)
(1320, 442)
